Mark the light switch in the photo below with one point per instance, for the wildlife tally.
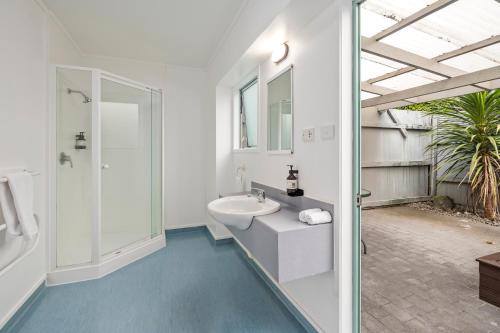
(327, 132)
(308, 135)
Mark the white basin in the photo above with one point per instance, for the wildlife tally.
(238, 211)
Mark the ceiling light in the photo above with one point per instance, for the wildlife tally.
(280, 53)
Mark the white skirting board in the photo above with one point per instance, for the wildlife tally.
(283, 291)
(21, 302)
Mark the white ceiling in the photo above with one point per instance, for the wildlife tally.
(182, 32)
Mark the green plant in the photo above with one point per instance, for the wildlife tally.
(466, 140)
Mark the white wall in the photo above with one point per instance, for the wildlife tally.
(315, 88)
(23, 115)
(153, 73)
(184, 143)
(253, 19)
(33, 39)
(61, 47)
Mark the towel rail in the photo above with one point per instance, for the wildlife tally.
(33, 173)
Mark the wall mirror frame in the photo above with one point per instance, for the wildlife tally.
(280, 112)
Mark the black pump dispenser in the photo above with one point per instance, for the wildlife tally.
(292, 183)
(80, 141)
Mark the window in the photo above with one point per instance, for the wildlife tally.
(246, 115)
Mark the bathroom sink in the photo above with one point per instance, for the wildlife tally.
(238, 211)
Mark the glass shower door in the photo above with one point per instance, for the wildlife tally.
(126, 158)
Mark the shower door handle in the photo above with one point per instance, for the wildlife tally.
(105, 166)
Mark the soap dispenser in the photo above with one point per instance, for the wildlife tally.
(80, 141)
(292, 183)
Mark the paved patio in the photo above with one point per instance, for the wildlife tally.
(420, 273)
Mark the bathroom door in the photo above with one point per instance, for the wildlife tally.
(126, 170)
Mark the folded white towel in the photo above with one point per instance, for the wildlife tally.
(302, 214)
(318, 217)
(21, 187)
(9, 210)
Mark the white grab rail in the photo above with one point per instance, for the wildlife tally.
(33, 173)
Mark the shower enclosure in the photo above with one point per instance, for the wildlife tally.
(106, 173)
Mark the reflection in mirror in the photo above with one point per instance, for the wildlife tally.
(280, 112)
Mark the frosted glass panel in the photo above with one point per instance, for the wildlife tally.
(120, 125)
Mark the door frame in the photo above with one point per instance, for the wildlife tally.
(356, 164)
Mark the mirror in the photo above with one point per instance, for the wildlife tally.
(280, 112)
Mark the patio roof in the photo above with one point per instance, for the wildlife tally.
(422, 50)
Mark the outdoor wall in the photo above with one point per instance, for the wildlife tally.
(395, 166)
(459, 193)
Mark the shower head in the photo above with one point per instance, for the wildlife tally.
(86, 99)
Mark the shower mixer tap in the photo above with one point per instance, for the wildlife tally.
(63, 158)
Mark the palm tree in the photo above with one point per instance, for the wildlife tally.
(466, 141)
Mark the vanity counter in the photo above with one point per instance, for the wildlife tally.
(287, 248)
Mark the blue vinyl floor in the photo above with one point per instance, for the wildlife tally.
(189, 286)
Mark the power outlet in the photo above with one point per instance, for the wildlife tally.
(308, 135)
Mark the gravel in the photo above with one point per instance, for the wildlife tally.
(458, 211)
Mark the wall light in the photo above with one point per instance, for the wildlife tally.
(280, 53)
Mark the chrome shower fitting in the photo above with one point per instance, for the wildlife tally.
(86, 99)
(63, 158)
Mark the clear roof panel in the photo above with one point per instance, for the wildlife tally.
(491, 53)
(372, 23)
(396, 9)
(419, 42)
(373, 66)
(404, 81)
(384, 61)
(470, 62)
(463, 22)
(367, 95)
(370, 69)
(459, 24)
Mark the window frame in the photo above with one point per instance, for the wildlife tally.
(249, 81)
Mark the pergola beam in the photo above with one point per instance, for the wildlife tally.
(473, 78)
(378, 90)
(408, 58)
(412, 18)
(411, 59)
(448, 55)
(425, 98)
(469, 48)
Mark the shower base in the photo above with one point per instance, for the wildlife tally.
(109, 263)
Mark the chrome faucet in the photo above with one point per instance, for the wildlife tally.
(259, 194)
